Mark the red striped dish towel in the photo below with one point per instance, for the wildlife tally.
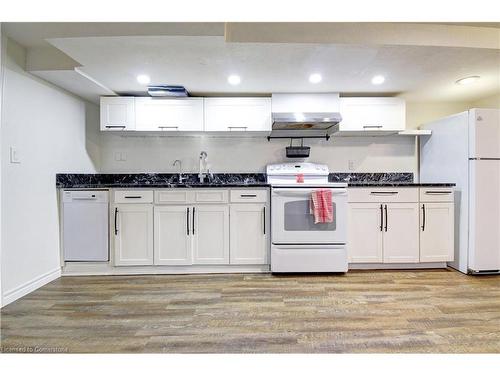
(321, 206)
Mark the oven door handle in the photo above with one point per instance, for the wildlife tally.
(296, 192)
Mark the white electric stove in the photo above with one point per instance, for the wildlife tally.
(297, 244)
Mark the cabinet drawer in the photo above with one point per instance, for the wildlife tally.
(436, 194)
(174, 196)
(210, 196)
(133, 196)
(383, 195)
(246, 195)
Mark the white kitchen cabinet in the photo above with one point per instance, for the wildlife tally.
(365, 233)
(238, 114)
(436, 231)
(117, 113)
(401, 239)
(249, 233)
(372, 114)
(172, 239)
(133, 242)
(160, 114)
(210, 231)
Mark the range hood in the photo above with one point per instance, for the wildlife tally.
(306, 115)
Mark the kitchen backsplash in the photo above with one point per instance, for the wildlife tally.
(133, 154)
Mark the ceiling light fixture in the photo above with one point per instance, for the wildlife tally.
(467, 80)
(234, 79)
(315, 78)
(378, 80)
(143, 79)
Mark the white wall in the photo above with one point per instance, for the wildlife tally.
(47, 126)
(156, 154)
(2, 44)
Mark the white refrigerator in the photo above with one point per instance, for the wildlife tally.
(465, 149)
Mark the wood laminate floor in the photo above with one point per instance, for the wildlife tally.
(362, 311)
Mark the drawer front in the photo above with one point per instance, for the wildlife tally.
(133, 196)
(383, 195)
(247, 195)
(174, 196)
(430, 194)
(210, 196)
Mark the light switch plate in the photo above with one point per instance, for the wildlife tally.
(14, 155)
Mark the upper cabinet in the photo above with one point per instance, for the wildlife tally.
(117, 113)
(160, 114)
(372, 114)
(238, 114)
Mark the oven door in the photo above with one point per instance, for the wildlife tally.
(292, 222)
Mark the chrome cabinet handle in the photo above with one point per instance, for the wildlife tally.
(187, 221)
(116, 214)
(384, 192)
(437, 192)
(168, 127)
(248, 195)
(133, 196)
(385, 218)
(237, 127)
(372, 126)
(115, 126)
(423, 217)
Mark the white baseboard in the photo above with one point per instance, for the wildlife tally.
(30, 286)
(395, 266)
(93, 269)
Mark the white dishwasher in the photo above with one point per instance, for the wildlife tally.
(85, 226)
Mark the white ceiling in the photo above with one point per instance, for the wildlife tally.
(198, 56)
(203, 63)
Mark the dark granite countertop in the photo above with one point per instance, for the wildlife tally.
(171, 180)
(398, 184)
(158, 180)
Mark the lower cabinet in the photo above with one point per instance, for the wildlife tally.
(133, 231)
(249, 234)
(365, 233)
(210, 232)
(383, 233)
(195, 227)
(436, 232)
(391, 226)
(401, 233)
(172, 235)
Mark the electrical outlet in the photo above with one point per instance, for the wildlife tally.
(123, 156)
(350, 165)
(14, 155)
(118, 156)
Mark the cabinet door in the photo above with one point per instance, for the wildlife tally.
(133, 234)
(184, 114)
(172, 244)
(401, 240)
(210, 232)
(364, 233)
(238, 114)
(249, 234)
(372, 114)
(117, 113)
(436, 232)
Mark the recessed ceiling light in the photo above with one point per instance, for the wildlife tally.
(315, 78)
(378, 80)
(143, 79)
(467, 80)
(234, 79)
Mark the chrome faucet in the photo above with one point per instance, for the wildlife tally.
(181, 177)
(203, 170)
